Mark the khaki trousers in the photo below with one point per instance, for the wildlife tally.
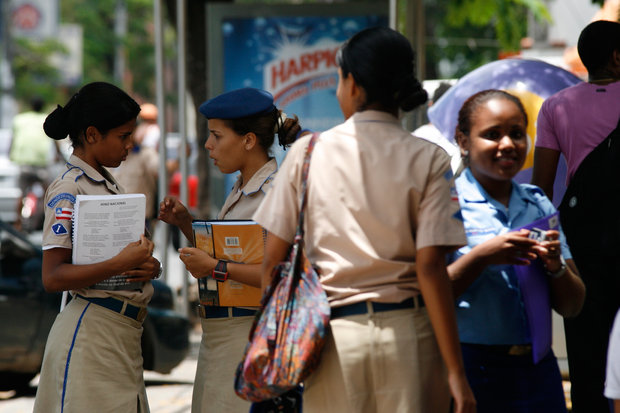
(221, 350)
(385, 362)
(92, 363)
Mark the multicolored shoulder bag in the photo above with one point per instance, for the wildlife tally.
(289, 331)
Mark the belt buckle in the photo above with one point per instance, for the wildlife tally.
(519, 350)
(142, 314)
(202, 311)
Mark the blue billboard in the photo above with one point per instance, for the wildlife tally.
(287, 50)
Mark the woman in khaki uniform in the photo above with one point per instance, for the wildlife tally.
(242, 125)
(93, 358)
(380, 218)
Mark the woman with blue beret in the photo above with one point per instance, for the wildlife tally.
(242, 127)
(494, 328)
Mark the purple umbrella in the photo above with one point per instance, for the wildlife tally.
(532, 81)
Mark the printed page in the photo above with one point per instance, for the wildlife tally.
(102, 226)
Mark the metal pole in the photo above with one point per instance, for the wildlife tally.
(162, 184)
(120, 31)
(181, 7)
(393, 14)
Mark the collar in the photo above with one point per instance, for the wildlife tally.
(91, 173)
(260, 177)
(374, 116)
(471, 191)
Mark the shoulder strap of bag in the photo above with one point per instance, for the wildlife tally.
(304, 185)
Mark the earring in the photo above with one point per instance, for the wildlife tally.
(465, 153)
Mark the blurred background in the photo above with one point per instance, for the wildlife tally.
(174, 54)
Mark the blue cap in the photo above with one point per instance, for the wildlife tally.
(238, 103)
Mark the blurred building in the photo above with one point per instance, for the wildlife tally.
(556, 42)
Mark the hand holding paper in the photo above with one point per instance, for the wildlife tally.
(513, 248)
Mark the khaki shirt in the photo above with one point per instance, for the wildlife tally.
(375, 195)
(242, 203)
(80, 178)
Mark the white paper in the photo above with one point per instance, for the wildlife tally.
(102, 226)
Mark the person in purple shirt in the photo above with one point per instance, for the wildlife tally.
(493, 326)
(574, 122)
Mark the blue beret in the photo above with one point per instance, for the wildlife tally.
(238, 104)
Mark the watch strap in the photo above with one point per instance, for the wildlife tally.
(560, 272)
(220, 272)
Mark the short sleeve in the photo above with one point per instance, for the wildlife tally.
(59, 203)
(440, 222)
(279, 211)
(545, 131)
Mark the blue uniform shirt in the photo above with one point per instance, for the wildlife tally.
(491, 310)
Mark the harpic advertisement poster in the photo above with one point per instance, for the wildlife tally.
(287, 50)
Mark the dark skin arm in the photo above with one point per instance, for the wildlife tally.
(173, 212)
(514, 248)
(545, 168)
(436, 289)
(198, 262)
(135, 261)
(200, 265)
(437, 295)
(568, 292)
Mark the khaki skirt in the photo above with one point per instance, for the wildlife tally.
(92, 362)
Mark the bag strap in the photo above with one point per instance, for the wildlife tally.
(304, 186)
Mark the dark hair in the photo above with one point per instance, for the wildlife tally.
(441, 89)
(97, 104)
(471, 104)
(36, 103)
(381, 61)
(597, 42)
(265, 126)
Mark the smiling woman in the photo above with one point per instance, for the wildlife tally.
(493, 326)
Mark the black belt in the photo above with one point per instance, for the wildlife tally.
(119, 306)
(503, 349)
(363, 307)
(224, 312)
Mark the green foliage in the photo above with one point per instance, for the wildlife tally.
(34, 75)
(508, 17)
(97, 18)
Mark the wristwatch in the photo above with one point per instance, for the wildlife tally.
(560, 272)
(220, 272)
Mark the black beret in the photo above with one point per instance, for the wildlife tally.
(238, 103)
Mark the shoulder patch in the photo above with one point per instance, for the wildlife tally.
(59, 229)
(63, 196)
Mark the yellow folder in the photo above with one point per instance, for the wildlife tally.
(239, 241)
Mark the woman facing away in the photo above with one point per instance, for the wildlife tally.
(379, 222)
(493, 325)
(242, 125)
(93, 357)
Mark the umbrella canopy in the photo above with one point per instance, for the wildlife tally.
(530, 80)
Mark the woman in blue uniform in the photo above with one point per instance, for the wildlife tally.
(493, 327)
